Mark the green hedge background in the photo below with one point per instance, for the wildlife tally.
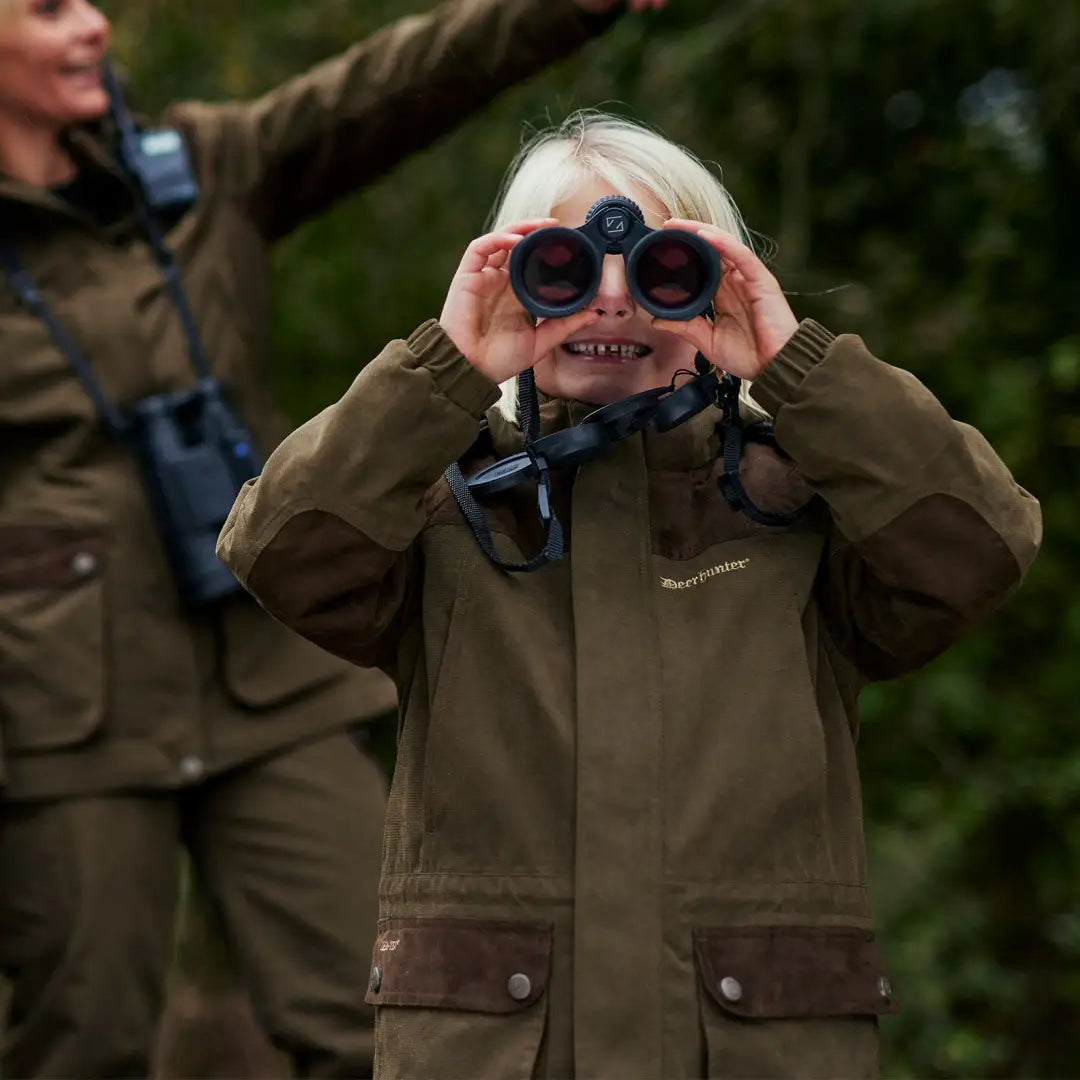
(916, 163)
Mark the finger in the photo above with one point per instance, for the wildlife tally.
(551, 333)
(734, 290)
(490, 282)
(523, 228)
(483, 248)
(697, 331)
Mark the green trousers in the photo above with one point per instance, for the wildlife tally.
(288, 851)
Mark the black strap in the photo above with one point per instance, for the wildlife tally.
(553, 549)
(171, 272)
(664, 408)
(528, 407)
(32, 299)
(730, 482)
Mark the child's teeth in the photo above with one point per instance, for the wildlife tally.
(625, 352)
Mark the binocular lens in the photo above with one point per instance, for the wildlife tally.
(559, 270)
(671, 273)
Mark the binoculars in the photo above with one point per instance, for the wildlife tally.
(195, 455)
(671, 273)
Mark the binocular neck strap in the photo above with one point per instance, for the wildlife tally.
(171, 273)
(554, 544)
(730, 482)
(32, 300)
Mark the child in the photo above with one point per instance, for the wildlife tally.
(624, 837)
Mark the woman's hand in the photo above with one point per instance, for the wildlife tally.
(753, 320)
(483, 317)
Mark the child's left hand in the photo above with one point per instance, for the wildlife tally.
(753, 320)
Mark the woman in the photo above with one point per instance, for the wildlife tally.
(624, 834)
(127, 720)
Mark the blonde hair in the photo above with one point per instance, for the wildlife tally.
(591, 145)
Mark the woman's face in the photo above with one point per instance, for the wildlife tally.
(588, 367)
(50, 62)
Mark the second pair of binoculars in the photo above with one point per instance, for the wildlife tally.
(671, 273)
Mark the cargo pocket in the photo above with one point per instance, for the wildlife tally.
(52, 637)
(790, 1001)
(459, 998)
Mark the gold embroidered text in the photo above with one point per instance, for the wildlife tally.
(697, 579)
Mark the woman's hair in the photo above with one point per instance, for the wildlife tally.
(590, 146)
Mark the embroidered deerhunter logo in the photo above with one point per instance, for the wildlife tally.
(697, 579)
(387, 945)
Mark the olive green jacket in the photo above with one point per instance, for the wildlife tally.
(624, 837)
(105, 682)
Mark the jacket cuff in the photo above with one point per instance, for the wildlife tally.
(454, 376)
(780, 381)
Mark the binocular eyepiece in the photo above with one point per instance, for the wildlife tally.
(671, 273)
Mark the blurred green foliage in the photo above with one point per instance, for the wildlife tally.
(918, 165)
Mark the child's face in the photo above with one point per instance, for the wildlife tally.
(588, 367)
(50, 62)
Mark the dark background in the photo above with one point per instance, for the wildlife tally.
(913, 167)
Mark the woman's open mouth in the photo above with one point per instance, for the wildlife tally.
(84, 74)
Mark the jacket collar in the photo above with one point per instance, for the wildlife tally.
(89, 146)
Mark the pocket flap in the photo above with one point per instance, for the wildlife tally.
(41, 557)
(490, 967)
(771, 972)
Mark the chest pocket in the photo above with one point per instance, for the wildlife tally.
(52, 637)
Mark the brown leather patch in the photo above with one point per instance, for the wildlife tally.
(329, 582)
(477, 966)
(898, 598)
(38, 557)
(770, 972)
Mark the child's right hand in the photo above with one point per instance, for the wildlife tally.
(483, 317)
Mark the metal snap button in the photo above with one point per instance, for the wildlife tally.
(519, 986)
(730, 989)
(191, 767)
(83, 563)
(375, 982)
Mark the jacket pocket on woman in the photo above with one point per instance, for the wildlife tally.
(791, 1001)
(52, 637)
(459, 998)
